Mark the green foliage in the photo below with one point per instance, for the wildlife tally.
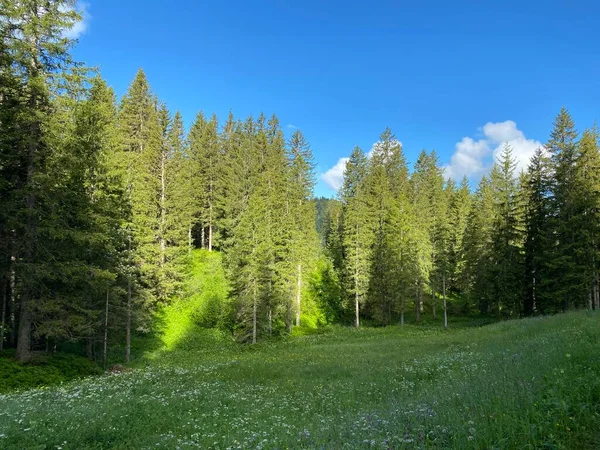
(324, 290)
(44, 370)
(205, 302)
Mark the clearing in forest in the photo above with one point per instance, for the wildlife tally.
(531, 383)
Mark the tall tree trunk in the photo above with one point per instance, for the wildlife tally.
(105, 350)
(433, 301)
(13, 304)
(163, 209)
(24, 333)
(270, 322)
(128, 325)
(444, 295)
(356, 303)
(254, 308)
(298, 295)
(202, 238)
(357, 310)
(402, 314)
(210, 215)
(4, 305)
(25, 316)
(596, 293)
(190, 240)
(417, 303)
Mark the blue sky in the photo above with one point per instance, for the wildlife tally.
(460, 77)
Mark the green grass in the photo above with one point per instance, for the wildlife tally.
(520, 384)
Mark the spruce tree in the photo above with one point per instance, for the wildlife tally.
(34, 44)
(507, 237)
(301, 207)
(587, 218)
(357, 231)
(566, 271)
(478, 247)
(537, 243)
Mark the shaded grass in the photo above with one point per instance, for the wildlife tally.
(531, 383)
(44, 370)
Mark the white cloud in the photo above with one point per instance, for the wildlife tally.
(334, 177)
(80, 27)
(474, 158)
(291, 127)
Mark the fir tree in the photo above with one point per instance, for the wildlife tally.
(357, 231)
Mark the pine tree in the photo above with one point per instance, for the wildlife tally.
(537, 244)
(34, 44)
(430, 220)
(357, 231)
(141, 136)
(206, 154)
(478, 245)
(387, 184)
(460, 206)
(304, 239)
(506, 238)
(587, 218)
(567, 284)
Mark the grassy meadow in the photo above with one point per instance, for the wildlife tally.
(521, 384)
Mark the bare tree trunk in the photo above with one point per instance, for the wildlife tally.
(596, 293)
(163, 209)
(417, 303)
(13, 303)
(590, 302)
(298, 295)
(270, 322)
(202, 238)
(254, 307)
(356, 303)
(402, 315)
(3, 319)
(190, 240)
(210, 216)
(105, 351)
(128, 325)
(357, 321)
(25, 316)
(433, 301)
(210, 228)
(24, 333)
(444, 295)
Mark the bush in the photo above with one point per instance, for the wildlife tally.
(43, 371)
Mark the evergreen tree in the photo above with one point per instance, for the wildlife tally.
(567, 284)
(303, 232)
(387, 184)
(460, 206)
(587, 218)
(34, 45)
(507, 238)
(478, 245)
(537, 242)
(357, 231)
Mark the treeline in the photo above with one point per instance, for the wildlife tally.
(102, 200)
(520, 244)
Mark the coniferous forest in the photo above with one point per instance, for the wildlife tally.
(103, 200)
(174, 282)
